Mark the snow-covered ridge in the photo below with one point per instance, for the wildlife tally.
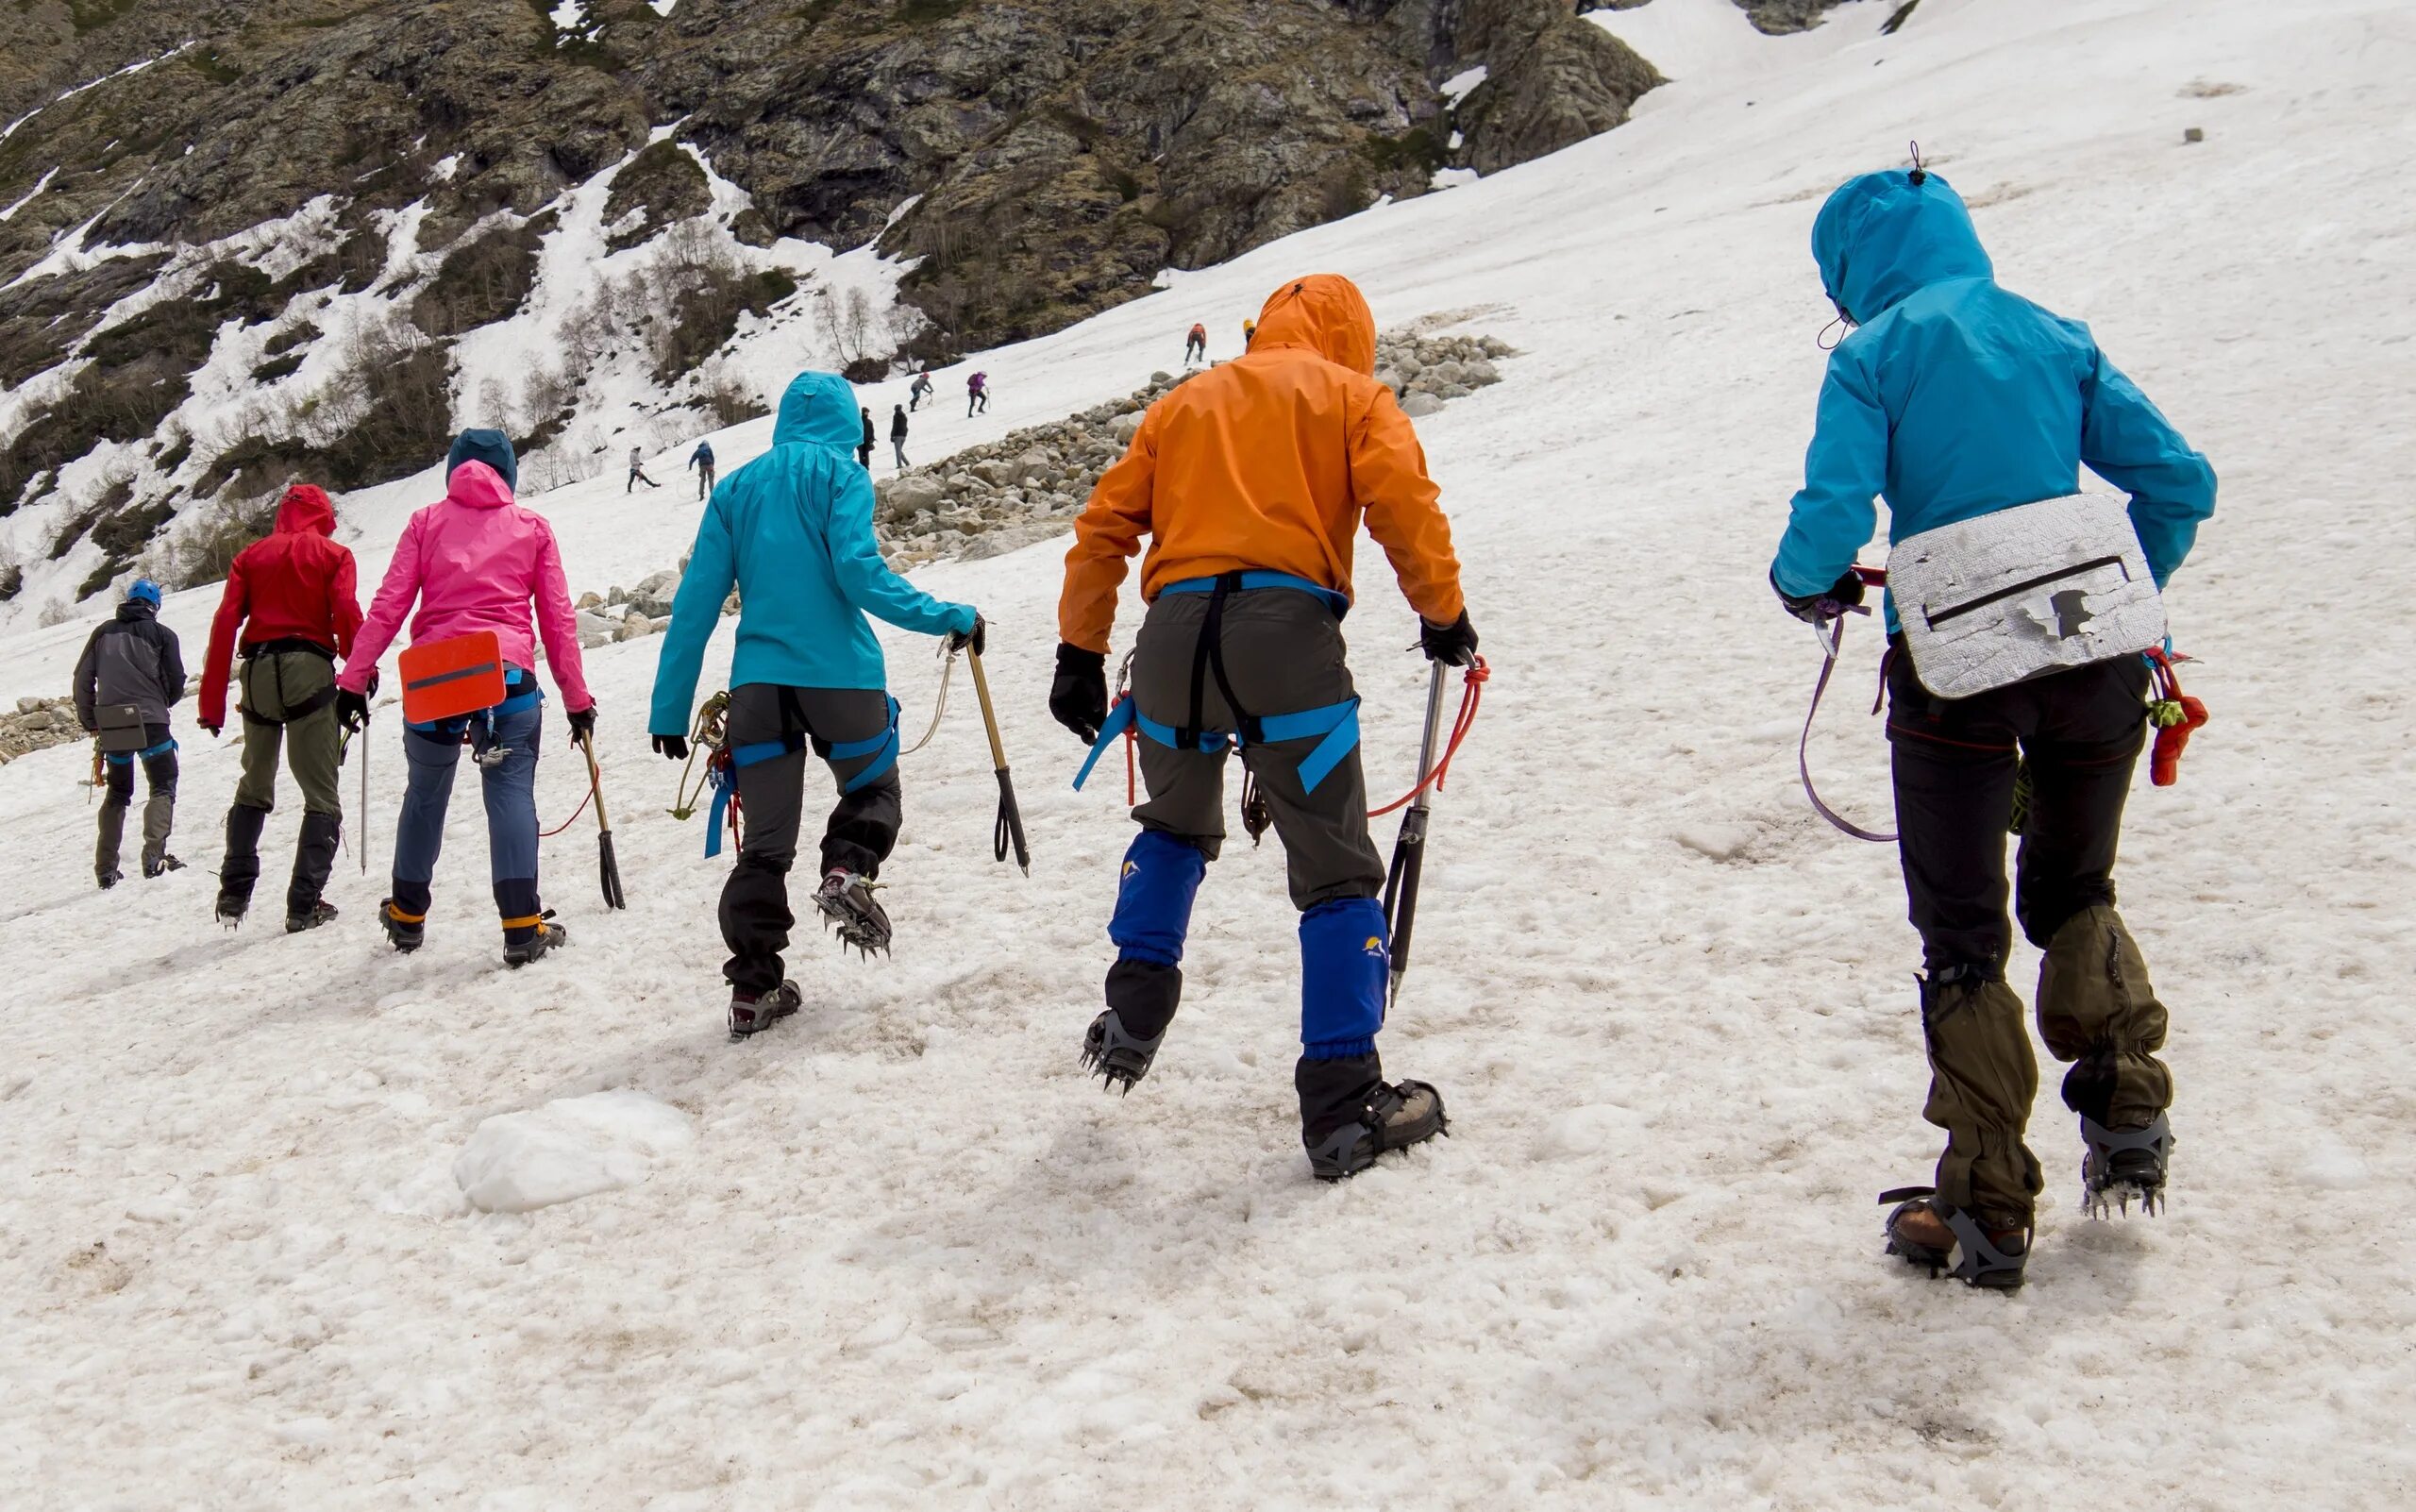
(590, 387)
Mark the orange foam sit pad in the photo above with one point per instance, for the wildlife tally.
(445, 680)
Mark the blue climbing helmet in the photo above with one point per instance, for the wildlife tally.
(144, 589)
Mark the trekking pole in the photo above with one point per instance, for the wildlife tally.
(609, 867)
(1009, 830)
(1409, 850)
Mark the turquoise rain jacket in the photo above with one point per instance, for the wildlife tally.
(1955, 399)
(792, 530)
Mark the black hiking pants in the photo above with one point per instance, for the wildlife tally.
(1285, 653)
(1953, 762)
(857, 837)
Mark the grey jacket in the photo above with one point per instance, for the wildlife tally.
(132, 658)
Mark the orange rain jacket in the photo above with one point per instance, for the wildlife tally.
(1267, 461)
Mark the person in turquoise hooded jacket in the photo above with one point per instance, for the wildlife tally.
(793, 531)
(1953, 398)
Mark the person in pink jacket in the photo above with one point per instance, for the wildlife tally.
(475, 560)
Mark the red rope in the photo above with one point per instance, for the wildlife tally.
(1471, 697)
(547, 834)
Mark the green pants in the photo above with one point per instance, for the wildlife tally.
(272, 684)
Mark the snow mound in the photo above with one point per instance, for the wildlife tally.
(569, 1149)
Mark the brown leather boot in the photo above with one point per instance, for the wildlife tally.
(1980, 1250)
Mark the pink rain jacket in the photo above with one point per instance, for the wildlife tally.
(474, 559)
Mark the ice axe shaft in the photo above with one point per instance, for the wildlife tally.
(1409, 850)
(1009, 833)
(607, 868)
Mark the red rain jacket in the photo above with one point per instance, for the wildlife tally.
(296, 583)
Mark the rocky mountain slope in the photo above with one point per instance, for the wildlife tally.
(243, 241)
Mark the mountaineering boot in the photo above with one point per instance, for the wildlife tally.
(2098, 1010)
(405, 932)
(242, 867)
(1122, 1041)
(1979, 1249)
(846, 901)
(108, 879)
(1350, 1116)
(1983, 1078)
(2124, 1165)
(314, 856)
(534, 940)
(752, 1012)
(161, 864)
(322, 912)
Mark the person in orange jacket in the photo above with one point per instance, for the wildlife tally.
(1251, 481)
(1194, 347)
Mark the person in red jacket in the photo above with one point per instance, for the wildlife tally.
(291, 598)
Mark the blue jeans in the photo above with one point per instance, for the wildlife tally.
(506, 749)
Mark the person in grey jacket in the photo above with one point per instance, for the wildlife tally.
(133, 664)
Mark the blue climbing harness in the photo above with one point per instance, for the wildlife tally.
(1334, 726)
(724, 774)
(128, 758)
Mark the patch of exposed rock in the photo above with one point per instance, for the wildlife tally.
(988, 501)
(38, 724)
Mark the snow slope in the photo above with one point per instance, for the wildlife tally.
(911, 1259)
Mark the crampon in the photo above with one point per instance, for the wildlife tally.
(2119, 1166)
(849, 906)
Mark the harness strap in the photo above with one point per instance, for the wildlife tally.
(1256, 578)
(128, 758)
(1335, 727)
(514, 704)
(882, 748)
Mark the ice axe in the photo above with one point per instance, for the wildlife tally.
(610, 869)
(1009, 830)
(1409, 850)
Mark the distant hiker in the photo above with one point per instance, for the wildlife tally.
(863, 447)
(637, 471)
(132, 672)
(1959, 400)
(290, 597)
(793, 533)
(897, 435)
(1251, 481)
(1194, 347)
(1250, 331)
(702, 460)
(476, 560)
(919, 390)
(977, 395)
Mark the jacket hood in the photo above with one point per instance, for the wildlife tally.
(306, 511)
(138, 608)
(478, 486)
(819, 409)
(492, 448)
(1324, 313)
(1882, 236)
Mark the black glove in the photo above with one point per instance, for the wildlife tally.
(352, 709)
(978, 637)
(583, 723)
(1821, 607)
(1079, 696)
(213, 730)
(675, 747)
(1454, 645)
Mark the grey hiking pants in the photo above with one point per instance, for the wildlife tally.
(859, 836)
(1284, 653)
(158, 762)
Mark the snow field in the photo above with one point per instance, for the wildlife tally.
(913, 1259)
